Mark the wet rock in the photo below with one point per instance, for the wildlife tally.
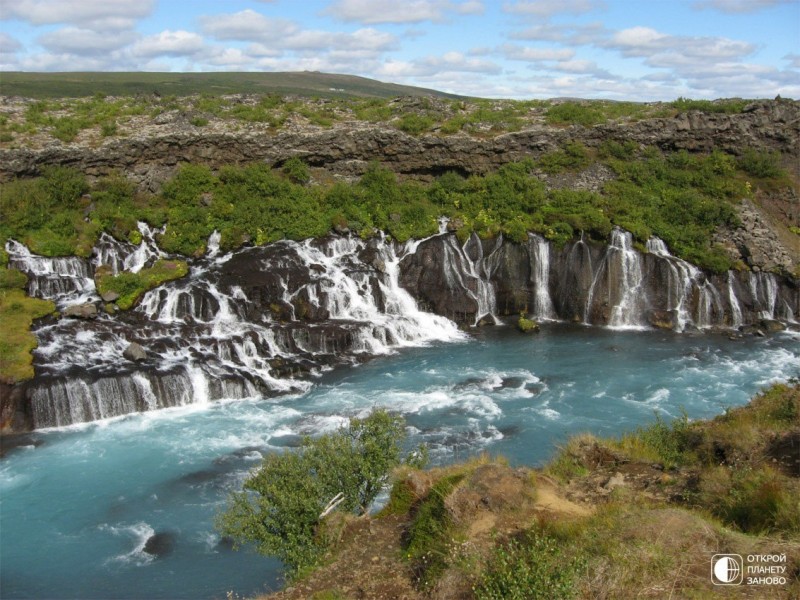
(135, 352)
(771, 325)
(110, 296)
(81, 311)
(663, 319)
(160, 544)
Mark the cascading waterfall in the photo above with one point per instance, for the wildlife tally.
(263, 320)
(686, 280)
(736, 310)
(540, 277)
(623, 279)
(208, 337)
(65, 280)
(764, 291)
(123, 256)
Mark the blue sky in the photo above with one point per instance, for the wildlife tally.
(616, 49)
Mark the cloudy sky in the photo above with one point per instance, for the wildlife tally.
(618, 49)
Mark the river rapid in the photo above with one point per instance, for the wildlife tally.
(78, 503)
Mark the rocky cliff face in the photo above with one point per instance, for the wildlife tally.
(149, 153)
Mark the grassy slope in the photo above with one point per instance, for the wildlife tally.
(80, 84)
(636, 517)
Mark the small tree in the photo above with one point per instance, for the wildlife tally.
(280, 506)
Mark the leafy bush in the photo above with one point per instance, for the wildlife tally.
(415, 124)
(296, 170)
(580, 113)
(756, 500)
(572, 158)
(530, 567)
(279, 509)
(761, 163)
(729, 106)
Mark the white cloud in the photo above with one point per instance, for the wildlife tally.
(372, 12)
(569, 34)
(739, 6)
(794, 60)
(73, 40)
(429, 66)
(169, 43)
(8, 44)
(88, 14)
(526, 53)
(547, 8)
(646, 42)
(247, 25)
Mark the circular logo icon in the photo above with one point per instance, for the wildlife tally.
(727, 569)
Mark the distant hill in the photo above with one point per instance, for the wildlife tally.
(306, 83)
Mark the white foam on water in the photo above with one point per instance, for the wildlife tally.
(140, 533)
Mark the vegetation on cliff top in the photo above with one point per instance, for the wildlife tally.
(97, 115)
(637, 516)
(679, 197)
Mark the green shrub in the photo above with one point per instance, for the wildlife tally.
(579, 113)
(572, 158)
(280, 506)
(755, 500)
(108, 129)
(131, 286)
(530, 567)
(760, 163)
(296, 170)
(415, 124)
(199, 121)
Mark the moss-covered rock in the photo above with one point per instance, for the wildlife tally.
(526, 325)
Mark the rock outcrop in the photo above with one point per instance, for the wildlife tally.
(150, 155)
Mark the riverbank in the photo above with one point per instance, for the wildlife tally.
(641, 515)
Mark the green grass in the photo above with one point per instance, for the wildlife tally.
(132, 286)
(17, 312)
(430, 532)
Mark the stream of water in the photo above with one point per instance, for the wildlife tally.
(78, 503)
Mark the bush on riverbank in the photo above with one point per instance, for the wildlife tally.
(638, 516)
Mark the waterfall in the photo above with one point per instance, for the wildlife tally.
(123, 256)
(212, 247)
(540, 277)
(621, 274)
(736, 309)
(764, 290)
(687, 286)
(471, 275)
(64, 279)
(233, 328)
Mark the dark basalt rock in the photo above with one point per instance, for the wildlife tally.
(160, 544)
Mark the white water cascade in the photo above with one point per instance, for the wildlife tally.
(123, 256)
(764, 290)
(65, 280)
(687, 282)
(621, 274)
(386, 317)
(471, 275)
(736, 310)
(540, 277)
